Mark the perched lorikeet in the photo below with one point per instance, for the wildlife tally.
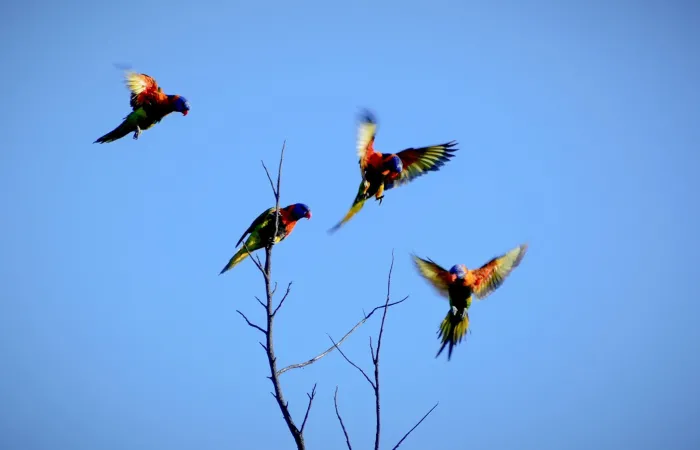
(459, 283)
(263, 227)
(383, 171)
(149, 105)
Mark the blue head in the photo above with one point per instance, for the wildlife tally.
(181, 104)
(300, 210)
(459, 270)
(394, 164)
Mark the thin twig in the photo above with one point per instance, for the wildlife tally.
(308, 408)
(279, 169)
(251, 324)
(415, 426)
(267, 172)
(340, 419)
(333, 347)
(353, 364)
(284, 297)
(260, 301)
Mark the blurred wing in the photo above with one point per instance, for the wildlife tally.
(436, 275)
(357, 205)
(419, 161)
(491, 275)
(257, 223)
(365, 138)
(144, 89)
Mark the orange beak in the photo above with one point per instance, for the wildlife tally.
(308, 215)
(184, 113)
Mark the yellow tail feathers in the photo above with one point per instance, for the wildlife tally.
(240, 255)
(452, 331)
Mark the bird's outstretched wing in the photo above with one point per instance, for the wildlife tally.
(366, 132)
(438, 277)
(144, 90)
(491, 275)
(419, 161)
(257, 223)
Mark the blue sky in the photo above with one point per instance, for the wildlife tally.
(578, 133)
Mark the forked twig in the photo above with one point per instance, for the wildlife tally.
(284, 297)
(308, 408)
(371, 383)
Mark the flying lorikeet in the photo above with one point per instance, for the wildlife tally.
(383, 171)
(149, 105)
(263, 227)
(459, 283)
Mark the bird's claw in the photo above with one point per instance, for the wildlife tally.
(380, 200)
(137, 133)
(454, 310)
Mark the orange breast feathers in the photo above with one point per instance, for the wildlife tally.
(286, 220)
(375, 160)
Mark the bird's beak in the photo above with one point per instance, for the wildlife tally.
(184, 113)
(308, 215)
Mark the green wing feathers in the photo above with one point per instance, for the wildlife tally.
(258, 223)
(254, 241)
(419, 161)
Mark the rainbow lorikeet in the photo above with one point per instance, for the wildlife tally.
(383, 171)
(459, 283)
(263, 227)
(149, 105)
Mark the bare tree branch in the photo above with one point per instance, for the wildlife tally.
(353, 364)
(340, 419)
(251, 324)
(284, 297)
(375, 357)
(333, 347)
(415, 426)
(308, 408)
(375, 353)
(269, 344)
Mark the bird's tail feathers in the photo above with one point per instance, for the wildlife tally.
(240, 255)
(122, 130)
(357, 205)
(452, 330)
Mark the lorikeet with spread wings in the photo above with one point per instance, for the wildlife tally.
(383, 171)
(459, 283)
(263, 227)
(149, 105)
